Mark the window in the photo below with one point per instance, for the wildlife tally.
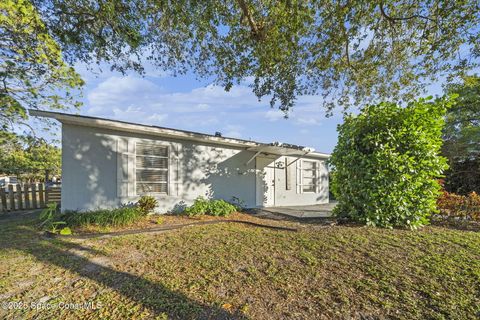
(151, 168)
(309, 176)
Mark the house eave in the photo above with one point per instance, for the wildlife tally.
(276, 148)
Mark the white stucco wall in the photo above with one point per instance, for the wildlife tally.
(92, 165)
(294, 196)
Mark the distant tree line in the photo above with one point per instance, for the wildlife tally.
(461, 137)
(29, 158)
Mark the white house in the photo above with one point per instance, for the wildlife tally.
(106, 163)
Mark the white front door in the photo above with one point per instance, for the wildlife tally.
(265, 181)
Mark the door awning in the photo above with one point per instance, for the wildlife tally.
(283, 149)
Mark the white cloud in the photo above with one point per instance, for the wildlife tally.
(274, 115)
(207, 109)
(134, 114)
(122, 92)
(157, 118)
(312, 120)
(203, 106)
(233, 131)
(129, 91)
(192, 121)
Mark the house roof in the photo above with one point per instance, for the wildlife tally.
(275, 148)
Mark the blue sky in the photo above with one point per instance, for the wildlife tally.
(190, 104)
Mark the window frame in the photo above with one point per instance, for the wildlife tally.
(167, 157)
(314, 177)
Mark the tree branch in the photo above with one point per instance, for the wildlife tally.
(347, 52)
(394, 19)
(253, 25)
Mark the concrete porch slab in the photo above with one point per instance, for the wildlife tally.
(306, 212)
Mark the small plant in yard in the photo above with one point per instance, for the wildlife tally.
(104, 217)
(218, 208)
(159, 220)
(65, 231)
(147, 204)
(48, 215)
(49, 220)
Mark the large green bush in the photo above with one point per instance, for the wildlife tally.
(386, 163)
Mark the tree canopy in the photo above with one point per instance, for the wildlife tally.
(33, 73)
(28, 157)
(349, 52)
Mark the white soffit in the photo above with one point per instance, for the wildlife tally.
(273, 148)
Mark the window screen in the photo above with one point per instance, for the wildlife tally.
(309, 176)
(151, 168)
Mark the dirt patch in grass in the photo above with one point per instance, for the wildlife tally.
(233, 271)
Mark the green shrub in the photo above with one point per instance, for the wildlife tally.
(386, 163)
(220, 208)
(105, 217)
(147, 204)
(199, 207)
(210, 207)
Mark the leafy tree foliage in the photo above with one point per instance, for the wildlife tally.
(462, 137)
(33, 73)
(28, 157)
(386, 163)
(350, 52)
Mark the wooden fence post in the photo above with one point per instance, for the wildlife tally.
(34, 196)
(19, 196)
(26, 196)
(41, 195)
(11, 197)
(3, 198)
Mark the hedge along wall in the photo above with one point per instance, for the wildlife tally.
(386, 163)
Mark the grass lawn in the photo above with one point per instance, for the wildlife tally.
(236, 271)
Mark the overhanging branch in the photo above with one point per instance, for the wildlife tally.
(394, 19)
(256, 31)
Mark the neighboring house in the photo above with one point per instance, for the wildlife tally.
(4, 180)
(107, 163)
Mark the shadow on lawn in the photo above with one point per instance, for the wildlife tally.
(275, 216)
(457, 225)
(153, 296)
